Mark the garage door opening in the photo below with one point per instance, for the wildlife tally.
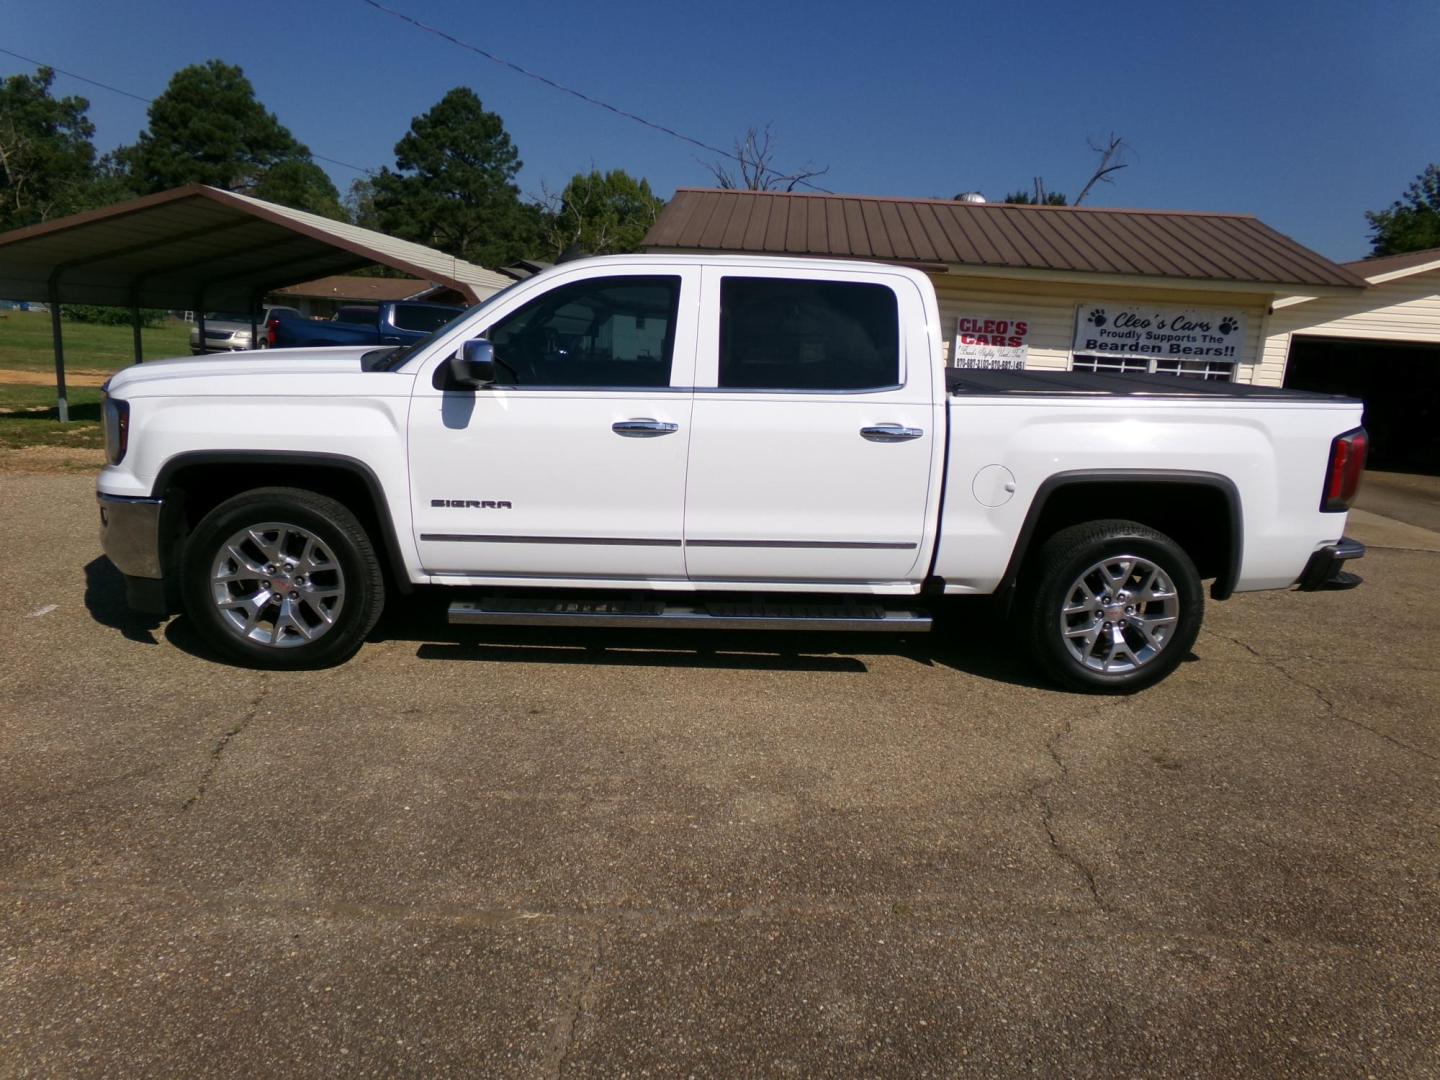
(1399, 383)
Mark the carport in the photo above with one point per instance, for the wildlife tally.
(195, 247)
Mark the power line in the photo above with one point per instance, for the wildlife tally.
(150, 101)
(82, 78)
(577, 93)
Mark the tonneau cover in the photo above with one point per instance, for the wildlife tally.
(986, 383)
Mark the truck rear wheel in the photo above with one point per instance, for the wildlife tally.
(282, 578)
(1115, 607)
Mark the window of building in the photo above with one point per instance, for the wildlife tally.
(611, 332)
(1215, 370)
(785, 334)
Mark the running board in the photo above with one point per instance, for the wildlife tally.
(638, 614)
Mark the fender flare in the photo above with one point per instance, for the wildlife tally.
(304, 458)
(1225, 582)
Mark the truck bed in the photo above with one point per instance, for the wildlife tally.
(965, 382)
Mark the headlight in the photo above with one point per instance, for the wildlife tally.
(115, 417)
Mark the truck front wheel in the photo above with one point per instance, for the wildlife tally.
(1115, 606)
(282, 578)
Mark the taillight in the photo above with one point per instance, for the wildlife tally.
(1347, 463)
(115, 417)
(271, 329)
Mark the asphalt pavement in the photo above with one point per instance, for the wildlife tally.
(516, 853)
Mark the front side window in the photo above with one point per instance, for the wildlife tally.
(786, 334)
(614, 331)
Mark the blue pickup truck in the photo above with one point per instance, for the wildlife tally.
(391, 323)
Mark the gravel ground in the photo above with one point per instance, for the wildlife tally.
(524, 854)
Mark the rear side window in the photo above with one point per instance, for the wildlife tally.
(783, 334)
(359, 315)
(421, 319)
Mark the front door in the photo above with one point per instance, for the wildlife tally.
(814, 450)
(573, 464)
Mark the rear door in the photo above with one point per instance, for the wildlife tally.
(814, 442)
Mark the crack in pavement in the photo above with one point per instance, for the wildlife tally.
(1040, 792)
(580, 1003)
(1334, 711)
(219, 749)
(1330, 706)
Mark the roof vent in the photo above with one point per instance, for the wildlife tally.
(970, 196)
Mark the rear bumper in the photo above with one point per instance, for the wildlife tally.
(1325, 570)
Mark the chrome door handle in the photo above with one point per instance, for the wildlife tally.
(891, 433)
(643, 427)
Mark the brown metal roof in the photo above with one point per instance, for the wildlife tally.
(1152, 243)
(350, 287)
(1390, 264)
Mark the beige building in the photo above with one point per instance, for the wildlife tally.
(1199, 295)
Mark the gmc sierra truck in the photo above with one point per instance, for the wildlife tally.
(727, 442)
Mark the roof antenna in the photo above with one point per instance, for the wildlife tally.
(571, 253)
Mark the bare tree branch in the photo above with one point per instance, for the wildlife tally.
(754, 156)
(1110, 163)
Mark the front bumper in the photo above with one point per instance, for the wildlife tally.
(1325, 570)
(130, 538)
(130, 534)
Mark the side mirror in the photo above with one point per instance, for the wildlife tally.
(474, 365)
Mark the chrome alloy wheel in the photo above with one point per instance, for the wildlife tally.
(277, 585)
(1119, 614)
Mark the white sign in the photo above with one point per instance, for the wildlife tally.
(982, 342)
(1164, 333)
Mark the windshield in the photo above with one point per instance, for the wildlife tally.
(392, 357)
(226, 316)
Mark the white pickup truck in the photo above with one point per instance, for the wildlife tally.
(726, 442)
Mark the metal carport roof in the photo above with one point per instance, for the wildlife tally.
(200, 248)
(196, 247)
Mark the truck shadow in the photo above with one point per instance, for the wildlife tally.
(965, 640)
(105, 600)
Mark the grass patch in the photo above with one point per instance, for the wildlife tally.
(25, 343)
(15, 398)
(28, 418)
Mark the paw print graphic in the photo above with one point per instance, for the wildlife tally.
(1227, 324)
(1097, 317)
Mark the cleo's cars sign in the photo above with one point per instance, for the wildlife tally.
(983, 342)
(1163, 333)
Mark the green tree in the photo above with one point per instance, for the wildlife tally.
(208, 128)
(453, 185)
(1026, 198)
(1412, 222)
(360, 203)
(603, 213)
(302, 184)
(47, 158)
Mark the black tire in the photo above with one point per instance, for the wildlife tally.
(337, 602)
(1057, 581)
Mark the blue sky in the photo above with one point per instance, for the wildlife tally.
(1303, 114)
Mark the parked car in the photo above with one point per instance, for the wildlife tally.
(229, 331)
(391, 323)
(737, 443)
